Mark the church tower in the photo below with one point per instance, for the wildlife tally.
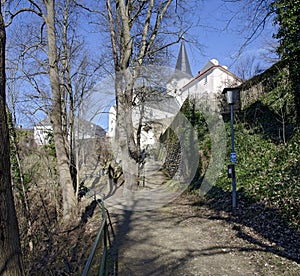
(182, 74)
(183, 63)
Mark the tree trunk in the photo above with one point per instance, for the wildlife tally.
(60, 140)
(10, 248)
(14, 145)
(124, 18)
(125, 132)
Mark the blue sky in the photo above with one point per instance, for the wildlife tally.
(221, 41)
(215, 39)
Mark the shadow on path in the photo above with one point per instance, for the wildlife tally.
(194, 237)
(255, 223)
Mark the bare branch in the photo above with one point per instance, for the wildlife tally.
(13, 15)
(257, 30)
(112, 32)
(253, 16)
(157, 24)
(135, 16)
(145, 33)
(125, 36)
(37, 6)
(85, 7)
(166, 46)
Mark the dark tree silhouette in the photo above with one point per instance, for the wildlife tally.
(10, 248)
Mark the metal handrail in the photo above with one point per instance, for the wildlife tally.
(91, 256)
(102, 236)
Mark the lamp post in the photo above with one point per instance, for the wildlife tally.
(231, 97)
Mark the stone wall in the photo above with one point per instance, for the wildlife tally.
(256, 87)
(173, 152)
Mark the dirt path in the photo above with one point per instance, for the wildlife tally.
(185, 238)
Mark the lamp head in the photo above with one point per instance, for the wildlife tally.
(231, 94)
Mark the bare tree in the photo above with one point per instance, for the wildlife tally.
(10, 248)
(46, 11)
(60, 141)
(249, 18)
(247, 67)
(51, 56)
(134, 30)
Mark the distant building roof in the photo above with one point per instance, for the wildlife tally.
(44, 123)
(211, 65)
(86, 128)
(83, 126)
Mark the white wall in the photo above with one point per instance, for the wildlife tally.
(210, 83)
(111, 122)
(40, 134)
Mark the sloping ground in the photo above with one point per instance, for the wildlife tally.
(190, 237)
(64, 249)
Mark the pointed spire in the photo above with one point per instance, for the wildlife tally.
(182, 63)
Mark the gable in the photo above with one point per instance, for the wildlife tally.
(44, 123)
(216, 71)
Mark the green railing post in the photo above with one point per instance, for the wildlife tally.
(104, 239)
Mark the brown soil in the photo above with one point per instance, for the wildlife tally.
(195, 237)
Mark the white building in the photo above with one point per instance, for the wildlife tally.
(83, 130)
(158, 114)
(208, 84)
(112, 115)
(41, 132)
